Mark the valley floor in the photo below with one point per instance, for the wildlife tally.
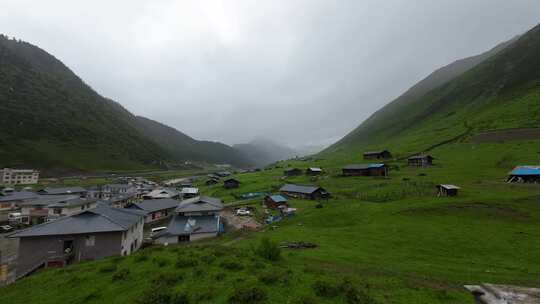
(380, 240)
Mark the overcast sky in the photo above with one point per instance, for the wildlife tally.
(296, 71)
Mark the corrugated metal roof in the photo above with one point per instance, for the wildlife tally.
(156, 205)
(525, 170)
(363, 166)
(64, 190)
(18, 196)
(102, 218)
(183, 225)
(278, 198)
(299, 189)
(201, 203)
(448, 186)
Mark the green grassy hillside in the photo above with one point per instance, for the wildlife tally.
(496, 90)
(50, 119)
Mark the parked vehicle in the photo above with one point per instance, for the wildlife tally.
(15, 217)
(243, 212)
(157, 229)
(5, 228)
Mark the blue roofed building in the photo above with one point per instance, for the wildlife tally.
(524, 174)
(275, 201)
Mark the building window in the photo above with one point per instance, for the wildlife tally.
(90, 240)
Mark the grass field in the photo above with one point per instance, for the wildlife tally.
(381, 240)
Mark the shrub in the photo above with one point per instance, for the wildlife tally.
(354, 295)
(231, 265)
(167, 278)
(120, 275)
(182, 262)
(268, 250)
(247, 295)
(156, 294)
(141, 257)
(325, 289)
(108, 268)
(319, 206)
(160, 262)
(272, 277)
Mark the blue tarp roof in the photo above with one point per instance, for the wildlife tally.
(526, 170)
(278, 198)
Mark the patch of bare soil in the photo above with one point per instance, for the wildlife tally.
(506, 135)
(239, 222)
(478, 208)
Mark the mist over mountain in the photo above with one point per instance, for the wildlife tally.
(263, 151)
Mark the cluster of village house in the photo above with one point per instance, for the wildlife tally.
(71, 224)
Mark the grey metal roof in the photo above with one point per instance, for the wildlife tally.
(118, 186)
(299, 189)
(18, 196)
(315, 169)
(121, 197)
(363, 166)
(46, 200)
(102, 218)
(156, 205)
(449, 187)
(420, 156)
(63, 190)
(72, 202)
(183, 225)
(200, 203)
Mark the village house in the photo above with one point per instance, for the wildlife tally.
(12, 199)
(231, 183)
(63, 191)
(196, 218)
(18, 176)
(211, 181)
(275, 201)
(304, 192)
(292, 172)
(156, 210)
(122, 200)
(447, 190)
(161, 194)
(314, 171)
(70, 206)
(36, 211)
(420, 160)
(189, 192)
(110, 190)
(365, 170)
(524, 174)
(223, 173)
(92, 234)
(384, 154)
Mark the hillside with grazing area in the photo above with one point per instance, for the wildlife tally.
(494, 91)
(378, 239)
(49, 118)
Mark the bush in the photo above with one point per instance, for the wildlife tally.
(108, 268)
(168, 278)
(182, 262)
(271, 277)
(156, 294)
(354, 295)
(231, 265)
(141, 257)
(247, 295)
(319, 206)
(325, 289)
(160, 262)
(268, 250)
(120, 275)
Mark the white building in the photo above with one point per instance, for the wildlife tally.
(18, 176)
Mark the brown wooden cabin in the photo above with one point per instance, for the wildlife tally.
(231, 183)
(292, 172)
(304, 192)
(365, 170)
(447, 190)
(420, 160)
(275, 201)
(211, 181)
(384, 154)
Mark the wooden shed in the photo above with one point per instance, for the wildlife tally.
(365, 170)
(305, 192)
(292, 172)
(313, 171)
(420, 160)
(447, 190)
(384, 154)
(275, 201)
(231, 183)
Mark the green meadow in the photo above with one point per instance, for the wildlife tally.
(380, 240)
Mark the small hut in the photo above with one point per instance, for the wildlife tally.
(304, 192)
(420, 160)
(447, 190)
(231, 183)
(292, 172)
(211, 181)
(524, 174)
(313, 171)
(384, 154)
(365, 170)
(275, 201)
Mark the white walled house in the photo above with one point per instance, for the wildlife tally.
(18, 176)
